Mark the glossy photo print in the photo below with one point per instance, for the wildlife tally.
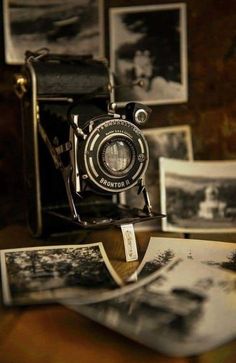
(148, 53)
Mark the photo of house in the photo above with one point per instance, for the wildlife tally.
(198, 196)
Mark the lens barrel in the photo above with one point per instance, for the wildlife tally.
(114, 156)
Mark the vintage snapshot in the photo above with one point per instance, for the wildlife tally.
(70, 27)
(198, 196)
(148, 53)
(170, 142)
(50, 274)
(180, 310)
(161, 251)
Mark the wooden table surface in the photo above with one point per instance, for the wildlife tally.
(55, 334)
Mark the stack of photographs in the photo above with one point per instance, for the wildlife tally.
(183, 296)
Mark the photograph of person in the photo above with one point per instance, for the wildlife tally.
(148, 53)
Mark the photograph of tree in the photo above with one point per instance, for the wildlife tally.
(170, 142)
(161, 251)
(148, 53)
(198, 196)
(48, 274)
(70, 27)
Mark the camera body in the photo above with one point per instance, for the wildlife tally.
(110, 154)
(79, 153)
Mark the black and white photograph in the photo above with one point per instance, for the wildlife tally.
(50, 274)
(198, 196)
(170, 142)
(72, 27)
(148, 53)
(161, 251)
(180, 310)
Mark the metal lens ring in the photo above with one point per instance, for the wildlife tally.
(115, 155)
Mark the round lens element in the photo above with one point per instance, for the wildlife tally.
(117, 156)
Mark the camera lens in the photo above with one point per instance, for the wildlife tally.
(114, 156)
(117, 156)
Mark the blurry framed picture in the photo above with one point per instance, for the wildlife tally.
(148, 53)
(71, 27)
(171, 142)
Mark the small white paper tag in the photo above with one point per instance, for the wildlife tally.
(131, 253)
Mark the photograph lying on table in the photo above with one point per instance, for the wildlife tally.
(148, 47)
(161, 251)
(171, 142)
(180, 310)
(198, 196)
(69, 27)
(48, 274)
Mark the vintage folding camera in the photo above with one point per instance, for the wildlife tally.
(79, 153)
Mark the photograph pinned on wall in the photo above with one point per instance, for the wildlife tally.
(161, 251)
(180, 310)
(70, 27)
(148, 47)
(38, 275)
(198, 196)
(171, 142)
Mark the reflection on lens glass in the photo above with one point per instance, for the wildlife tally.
(117, 156)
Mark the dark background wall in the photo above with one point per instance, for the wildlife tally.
(210, 110)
